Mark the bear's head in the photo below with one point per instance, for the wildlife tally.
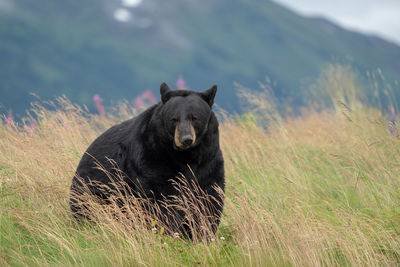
(185, 115)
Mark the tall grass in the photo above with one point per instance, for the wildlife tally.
(311, 190)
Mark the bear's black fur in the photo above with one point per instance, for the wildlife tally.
(155, 148)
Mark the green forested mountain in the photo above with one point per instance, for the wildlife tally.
(78, 48)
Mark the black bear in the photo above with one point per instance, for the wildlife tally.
(175, 139)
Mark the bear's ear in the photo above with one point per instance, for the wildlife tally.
(209, 94)
(164, 89)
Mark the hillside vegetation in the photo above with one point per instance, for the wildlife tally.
(317, 189)
(77, 48)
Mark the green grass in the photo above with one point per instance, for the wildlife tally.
(318, 189)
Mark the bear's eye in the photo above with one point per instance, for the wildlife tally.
(192, 117)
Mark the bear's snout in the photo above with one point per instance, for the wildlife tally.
(185, 135)
(187, 140)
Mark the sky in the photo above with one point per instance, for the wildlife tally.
(377, 17)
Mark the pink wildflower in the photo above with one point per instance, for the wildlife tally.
(138, 102)
(9, 118)
(180, 84)
(145, 99)
(149, 96)
(98, 102)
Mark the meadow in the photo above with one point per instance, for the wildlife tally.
(316, 189)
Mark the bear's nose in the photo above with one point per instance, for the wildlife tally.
(187, 140)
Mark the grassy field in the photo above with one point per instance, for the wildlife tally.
(318, 189)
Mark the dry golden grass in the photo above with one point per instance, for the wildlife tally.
(319, 189)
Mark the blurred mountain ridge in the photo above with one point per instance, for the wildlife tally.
(118, 49)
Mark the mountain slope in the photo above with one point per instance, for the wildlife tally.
(79, 49)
